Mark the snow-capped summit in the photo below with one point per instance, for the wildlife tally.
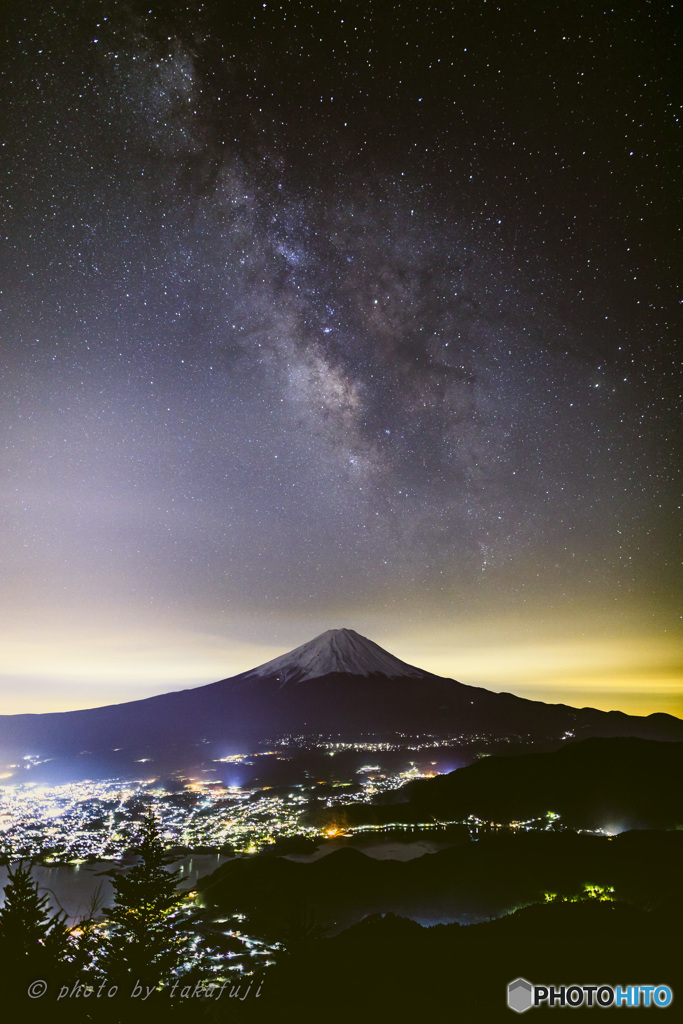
(336, 650)
(338, 684)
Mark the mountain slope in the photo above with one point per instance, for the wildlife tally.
(339, 683)
(616, 783)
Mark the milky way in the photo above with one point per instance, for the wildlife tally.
(362, 311)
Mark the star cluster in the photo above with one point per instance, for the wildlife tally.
(358, 310)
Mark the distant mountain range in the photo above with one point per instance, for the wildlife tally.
(339, 683)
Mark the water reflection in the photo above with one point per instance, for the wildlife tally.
(80, 887)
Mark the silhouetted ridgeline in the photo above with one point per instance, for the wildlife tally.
(465, 883)
(394, 970)
(615, 784)
(338, 683)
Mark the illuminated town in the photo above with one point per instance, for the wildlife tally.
(98, 820)
(300, 798)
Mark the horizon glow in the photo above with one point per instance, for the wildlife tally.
(339, 321)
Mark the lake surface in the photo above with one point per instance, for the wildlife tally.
(73, 887)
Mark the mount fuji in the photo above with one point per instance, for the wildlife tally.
(336, 651)
(339, 683)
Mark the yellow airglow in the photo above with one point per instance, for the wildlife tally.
(626, 670)
(581, 657)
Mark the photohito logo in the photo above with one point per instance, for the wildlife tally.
(522, 995)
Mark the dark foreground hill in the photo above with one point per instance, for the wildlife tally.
(613, 784)
(338, 683)
(466, 883)
(391, 969)
(387, 967)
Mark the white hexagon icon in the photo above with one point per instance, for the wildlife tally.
(519, 995)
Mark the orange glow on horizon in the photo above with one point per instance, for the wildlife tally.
(614, 667)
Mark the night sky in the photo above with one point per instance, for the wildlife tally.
(349, 314)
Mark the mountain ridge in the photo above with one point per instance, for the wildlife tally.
(370, 692)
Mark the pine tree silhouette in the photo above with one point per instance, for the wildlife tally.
(143, 944)
(35, 942)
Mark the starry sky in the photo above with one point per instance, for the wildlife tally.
(340, 314)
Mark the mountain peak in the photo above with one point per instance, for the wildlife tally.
(336, 651)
